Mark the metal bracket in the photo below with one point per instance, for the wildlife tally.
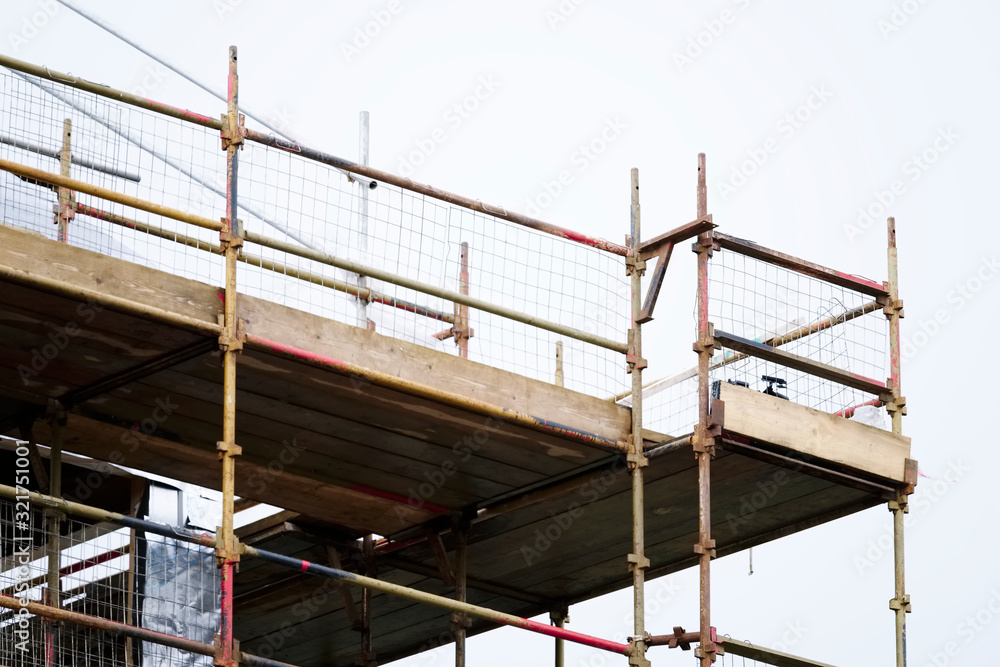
(232, 136)
(637, 658)
(235, 342)
(636, 460)
(712, 649)
(891, 308)
(637, 562)
(897, 403)
(228, 240)
(708, 344)
(218, 659)
(633, 360)
(904, 604)
(705, 244)
(225, 449)
(702, 443)
(707, 548)
(459, 621)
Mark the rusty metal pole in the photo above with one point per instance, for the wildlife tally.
(64, 209)
(559, 618)
(459, 622)
(560, 377)
(463, 332)
(704, 444)
(367, 650)
(363, 156)
(636, 459)
(899, 507)
(231, 343)
(53, 596)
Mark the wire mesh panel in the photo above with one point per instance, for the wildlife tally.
(804, 316)
(106, 572)
(117, 147)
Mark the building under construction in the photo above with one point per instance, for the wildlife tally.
(447, 402)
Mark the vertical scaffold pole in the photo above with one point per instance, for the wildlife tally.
(559, 618)
(231, 343)
(368, 658)
(64, 209)
(636, 458)
(462, 321)
(459, 622)
(53, 517)
(899, 507)
(704, 443)
(363, 150)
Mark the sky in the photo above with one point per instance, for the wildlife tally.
(818, 120)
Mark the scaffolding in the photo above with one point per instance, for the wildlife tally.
(408, 515)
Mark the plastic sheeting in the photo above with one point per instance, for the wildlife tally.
(180, 594)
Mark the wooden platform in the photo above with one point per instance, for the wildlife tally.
(552, 514)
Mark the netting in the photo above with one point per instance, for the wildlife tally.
(105, 572)
(292, 199)
(798, 314)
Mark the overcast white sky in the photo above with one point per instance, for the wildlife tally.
(888, 81)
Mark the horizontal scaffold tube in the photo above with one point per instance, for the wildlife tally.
(424, 391)
(115, 628)
(438, 601)
(111, 93)
(78, 509)
(80, 186)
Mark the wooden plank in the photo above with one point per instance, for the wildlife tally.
(770, 656)
(433, 368)
(778, 356)
(23, 252)
(751, 249)
(655, 245)
(815, 434)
